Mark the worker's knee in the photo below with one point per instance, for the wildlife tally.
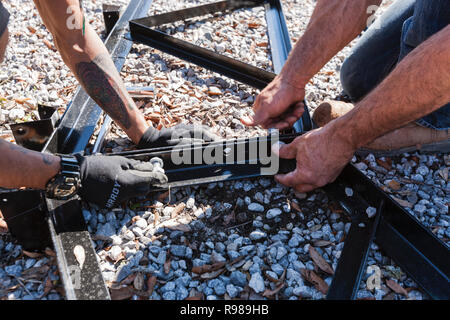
(352, 77)
(4, 35)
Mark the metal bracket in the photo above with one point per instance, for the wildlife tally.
(34, 135)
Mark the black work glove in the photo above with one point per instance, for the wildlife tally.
(179, 134)
(109, 180)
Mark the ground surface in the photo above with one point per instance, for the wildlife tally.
(237, 240)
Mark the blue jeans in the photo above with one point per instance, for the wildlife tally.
(4, 18)
(403, 27)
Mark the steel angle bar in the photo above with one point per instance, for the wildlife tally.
(433, 280)
(424, 257)
(65, 220)
(184, 14)
(111, 14)
(219, 161)
(352, 262)
(280, 46)
(208, 59)
(34, 135)
(25, 213)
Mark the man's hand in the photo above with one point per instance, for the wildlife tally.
(108, 181)
(179, 134)
(321, 155)
(278, 106)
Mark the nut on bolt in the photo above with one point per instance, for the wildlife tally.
(157, 164)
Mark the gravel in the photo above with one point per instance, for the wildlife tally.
(254, 232)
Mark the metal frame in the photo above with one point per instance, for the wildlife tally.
(401, 235)
(423, 256)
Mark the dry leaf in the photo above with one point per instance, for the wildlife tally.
(384, 164)
(49, 252)
(128, 280)
(269, 293)
(295, 206)
(208, 267)
(198, 296)
(123, 293)
(313, 278)
(228, 218)
(403, 203)
(177, 210)
(320, 261)
(212, 275)
(167, 264)
(322, 243)
(35, 272)
(48, 287)
(151, 284)
(138, 282)
(396, 287)
(80, 255)
(21, 100)
(253, 25)
(49, 45)
(394, 185)
(444, 174)
(32, 255)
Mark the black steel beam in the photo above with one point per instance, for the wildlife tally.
(231, 160)
(280, 46)
(205, 58)
(111, 14)
(184, 14)
(65, 220)
(352, 262)
(401, 236)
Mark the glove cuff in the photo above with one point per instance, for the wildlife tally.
(148, 138)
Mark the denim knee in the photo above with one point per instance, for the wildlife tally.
(352, 79)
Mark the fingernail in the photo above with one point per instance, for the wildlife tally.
(276, 147)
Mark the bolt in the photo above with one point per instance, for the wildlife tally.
(157, 164)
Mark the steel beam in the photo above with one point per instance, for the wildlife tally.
(280, 46)
(205, 58)
(229, 160)
(65, 219)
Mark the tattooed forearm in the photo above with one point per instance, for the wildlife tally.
(20, 167)
(102, 82)
(46, 158)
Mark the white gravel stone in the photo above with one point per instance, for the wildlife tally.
(257, 282)
(255, 207)
(272, 213)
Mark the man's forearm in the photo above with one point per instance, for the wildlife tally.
(332, 26)
(418, 85)
(87, 57)
(20, 167)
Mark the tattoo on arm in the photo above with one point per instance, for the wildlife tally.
(101, 82)
(46, 158)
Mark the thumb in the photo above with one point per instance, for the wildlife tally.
(248, 121)
(285, 151)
